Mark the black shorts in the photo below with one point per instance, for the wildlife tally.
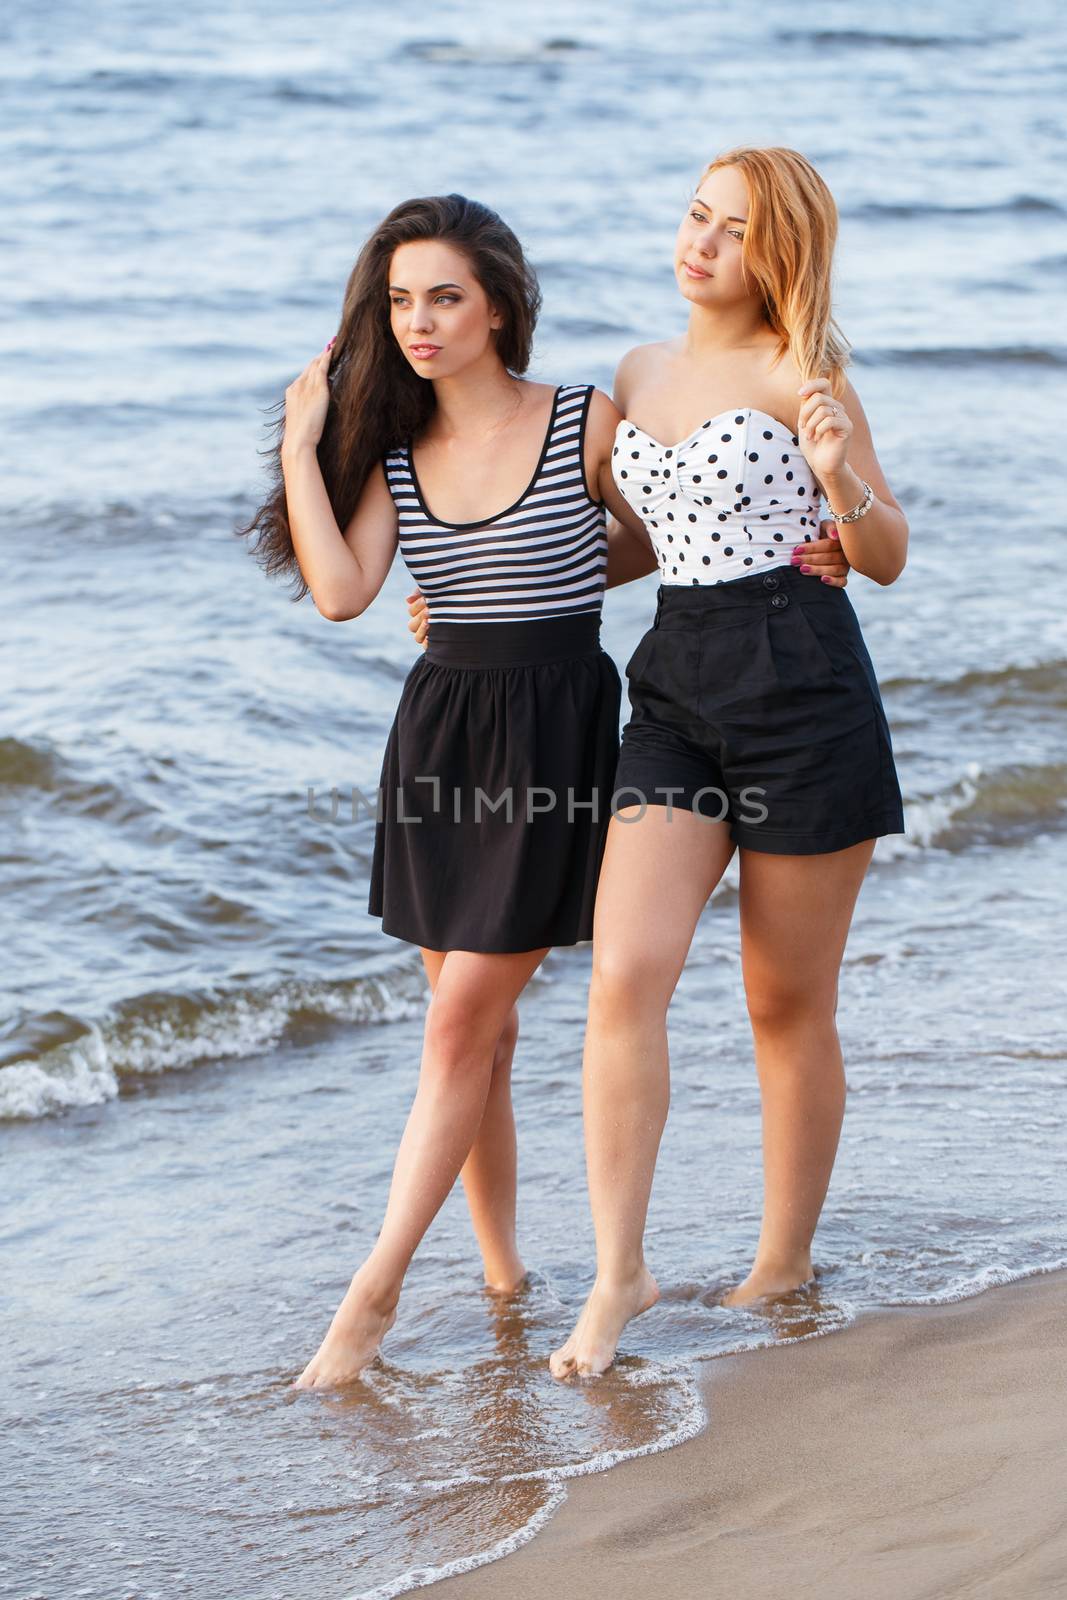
(755, 702)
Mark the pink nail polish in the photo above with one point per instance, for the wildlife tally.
(804, 568)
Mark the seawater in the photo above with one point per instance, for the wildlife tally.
(207, 1047)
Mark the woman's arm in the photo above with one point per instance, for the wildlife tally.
(630, 555)
(343, 571)
(840, 451)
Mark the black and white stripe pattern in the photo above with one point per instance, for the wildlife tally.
(546, 556)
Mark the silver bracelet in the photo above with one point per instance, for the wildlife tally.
(860, 510)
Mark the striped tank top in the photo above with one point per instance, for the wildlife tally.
(545, 556)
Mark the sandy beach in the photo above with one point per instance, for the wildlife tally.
(919, 1455)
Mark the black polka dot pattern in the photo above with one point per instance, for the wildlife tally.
(731, 496)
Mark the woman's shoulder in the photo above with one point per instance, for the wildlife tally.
(654, 354)
(644, 363)
(593, 402)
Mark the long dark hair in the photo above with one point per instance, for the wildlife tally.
(376, 400)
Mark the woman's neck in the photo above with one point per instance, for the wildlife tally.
(713, 331)
(476, 402)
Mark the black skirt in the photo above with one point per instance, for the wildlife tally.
(496, 787)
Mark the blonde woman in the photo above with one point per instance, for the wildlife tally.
(757, 722)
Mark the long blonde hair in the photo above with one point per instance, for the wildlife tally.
(788, 253)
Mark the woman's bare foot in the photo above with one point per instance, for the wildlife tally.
(762, 1282)
(359, 1325)
(590, 1350)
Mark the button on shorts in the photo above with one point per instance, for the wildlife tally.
(755, 702)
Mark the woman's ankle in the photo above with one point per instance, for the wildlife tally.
(376, 1288)
(782, 1267)
(621, 1275)
(503, 1270)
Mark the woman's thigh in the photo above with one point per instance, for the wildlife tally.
(795, 916)
(432, 961)
(658, 871)
(473, 992)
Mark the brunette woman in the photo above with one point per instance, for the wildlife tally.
(415, 425)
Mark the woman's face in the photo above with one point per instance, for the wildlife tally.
(439, 312)
(707, 251)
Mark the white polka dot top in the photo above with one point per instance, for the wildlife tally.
(735, 497)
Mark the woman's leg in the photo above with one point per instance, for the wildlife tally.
(470, 1004)
(658, 872)
(490, 1172)
(795, 916)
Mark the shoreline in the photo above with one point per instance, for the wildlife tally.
(921, 1455)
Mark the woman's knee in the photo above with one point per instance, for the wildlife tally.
(459, 1029)
(505, 1044)
(783, 1001)
(628, 984)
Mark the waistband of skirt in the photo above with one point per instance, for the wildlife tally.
(513, 644)
(686, 604)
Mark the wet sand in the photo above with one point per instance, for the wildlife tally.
(919, 1455)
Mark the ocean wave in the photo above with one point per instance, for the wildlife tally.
(691, 1420)
(990, 1276)
(82, 416)
(313, 94)
(1056, 264)
(27, 764)
(136, 79)
(36, 764)
(419, 1577)
(456, 50)
(1038, 683)
(104, 520)
(862, 38)
(903, 210)
(152, 307)
(158, 1033)
(1006, 806)
(964, 355)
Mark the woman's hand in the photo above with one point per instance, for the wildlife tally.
(823, 557)
(307, 401)
(823, 428)
(420, 617)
